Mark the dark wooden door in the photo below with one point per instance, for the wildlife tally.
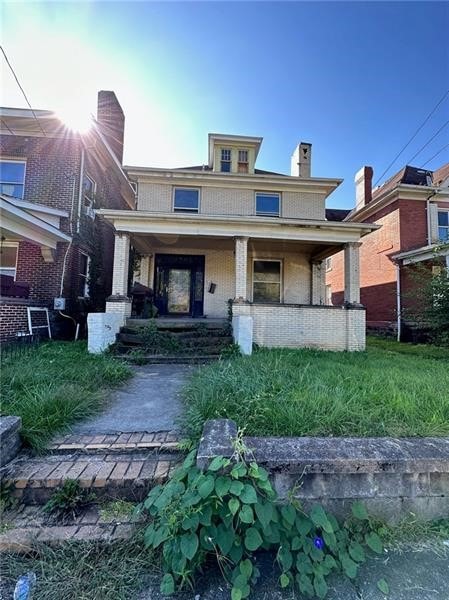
(179, 284)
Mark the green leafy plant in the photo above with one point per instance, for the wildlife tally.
(68, 500)
(230, 351)
(160, 342)
(137, 356)
(230, 511)
(7, 500)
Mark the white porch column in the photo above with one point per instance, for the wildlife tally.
(318, 283)
(241, 266)
(121, 265)
(352, 272)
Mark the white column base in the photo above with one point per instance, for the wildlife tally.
(102, 329)
(242, 331)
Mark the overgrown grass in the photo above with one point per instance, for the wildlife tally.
(389, 390)
(80, 571)
(54, 385)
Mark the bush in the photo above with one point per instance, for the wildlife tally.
(229, 511)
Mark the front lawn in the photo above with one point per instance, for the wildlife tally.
(390, 390)
(55, 384)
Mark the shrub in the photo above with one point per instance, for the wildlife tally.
(229, 511)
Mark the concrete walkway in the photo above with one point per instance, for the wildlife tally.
(148, 402)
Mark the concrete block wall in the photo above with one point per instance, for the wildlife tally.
(102, 329)
(289, 326)
(392, 476)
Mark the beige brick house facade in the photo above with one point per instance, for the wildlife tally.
(229, 231)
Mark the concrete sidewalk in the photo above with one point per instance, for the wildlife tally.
(149, 402)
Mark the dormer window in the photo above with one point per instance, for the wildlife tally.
(242, 166)
(225, 164)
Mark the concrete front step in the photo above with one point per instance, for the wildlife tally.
(177, 359)
(190, 339)
(127, 476)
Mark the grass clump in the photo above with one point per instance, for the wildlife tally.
(54, 385)
(68, 500)
(389, 390)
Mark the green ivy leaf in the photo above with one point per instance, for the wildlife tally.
(374, 542)
(253, 539)
(236, 594)
(383, 586)
(288, 513)
(160, 535)
(284, 580)
(233, 505)
(189, 460)
(319, 518)
(238, 470)
(236, 488)
(222, 485)
(206, 487)
(246, 514)
(167, 585)
(191, 522)
(216, 464)
(303, 525)
(330, 540)
(205, 516)
(248, 494)
(246, 568)
(264, 512)
(189, 545)
(285, 558)
(330, 562)
(225, 539)
(305, 584)
(320, 587)
(349, 566)
(359, 511)
(356, 552)
(296, 543)
(236, 553)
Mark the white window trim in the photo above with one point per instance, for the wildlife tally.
(223, 160)
(186, 210)
(86, 283)
(328, 264)
(443, 210)
(17, 160)
(261, 214)
(11, 245)
(281, 277)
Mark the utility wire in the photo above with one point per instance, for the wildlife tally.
(413, 136)
(436, 154)
(21, 89)
(6, 126)
(427, 143)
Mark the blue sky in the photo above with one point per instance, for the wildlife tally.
(354, 79)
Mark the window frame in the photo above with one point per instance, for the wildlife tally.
(89, 205)
(186, 210)
(5, 159)
(85, 276)
(440, 240)
(11, 245)
(243, 163)
(281, 277)
(264, 214)
(328, 264)
(225, 160)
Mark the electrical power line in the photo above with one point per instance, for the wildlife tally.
(6, 126)
(21, 89)
(436, 154)
(413, 136)
(428, 142)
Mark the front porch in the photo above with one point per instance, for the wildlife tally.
(274, 276)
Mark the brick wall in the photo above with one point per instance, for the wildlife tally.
(13, 318)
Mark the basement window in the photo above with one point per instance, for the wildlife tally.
(267, 281)
(186, 200)
(443, 225)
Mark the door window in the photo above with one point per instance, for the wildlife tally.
(178, 292)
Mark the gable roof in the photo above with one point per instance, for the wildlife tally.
(408, 175)
(337, 214)
(441, 174)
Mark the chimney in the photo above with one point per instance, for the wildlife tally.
(112, 121)
(301, 160)
(363, 187)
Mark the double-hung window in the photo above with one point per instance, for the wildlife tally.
(8, 258)
(242, 166)
(267, 281)
(268, 204)
(88, 195)
(83, 276)
(443, 225)
(12, 177)
(225, 163)
(186, 200)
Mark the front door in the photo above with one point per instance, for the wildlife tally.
(179, 284)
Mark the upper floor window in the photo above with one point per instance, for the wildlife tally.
(89, 187)
(225, 164)
(443, 225)
(242, 166)
(83, 276)
(267, 204)
(186, 200)
(12, 177)
(8, 258)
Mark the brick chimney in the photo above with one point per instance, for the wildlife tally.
(111, 119)
(363, 187)
(301, 160)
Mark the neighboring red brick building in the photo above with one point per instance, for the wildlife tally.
(413, 210)
(52, 244)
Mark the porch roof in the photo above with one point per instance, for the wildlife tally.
(255, 227)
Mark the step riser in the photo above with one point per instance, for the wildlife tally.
(178, 360)
(192, 340)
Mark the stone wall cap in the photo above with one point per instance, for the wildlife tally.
(9, 424)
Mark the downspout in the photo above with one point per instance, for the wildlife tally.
(80, 192)
(398, 300)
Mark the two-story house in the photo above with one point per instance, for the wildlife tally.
(412, 208)
(225, 231)
(56, 256)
